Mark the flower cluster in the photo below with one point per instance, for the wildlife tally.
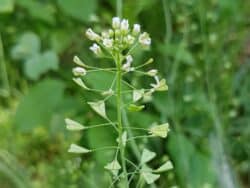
(118, 38)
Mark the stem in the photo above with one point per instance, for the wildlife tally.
(119, 8)
(5, 80)
(119, 114)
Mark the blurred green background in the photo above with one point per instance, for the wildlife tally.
(202, 48)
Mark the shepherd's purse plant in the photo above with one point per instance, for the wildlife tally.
(118, 44)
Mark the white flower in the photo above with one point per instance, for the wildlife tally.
(79, 71)
(152, 72)
(116, 22)
(96, 49)
(124, 25)
(105, 34)
(130, 39)
(127, 66)
(129, 59)
(92, 35)
(160, 85)
(144, 39)
(108, 42)
(136, 29)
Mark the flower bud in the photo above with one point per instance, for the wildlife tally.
(96, 49)
(108, 42)
(130, 39)
(92, 35)
(111, 33)
(136, 29)
(78, 61)
(79, 71)
(144, 39)
(127, 66)
(129, 59)
(116, 22)
(152, 72)
(105, 34)
(124, 25)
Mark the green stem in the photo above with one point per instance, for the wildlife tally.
(3, 71)
(119, 115)
(119, 8)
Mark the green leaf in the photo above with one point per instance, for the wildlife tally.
(192, 166)
(99, 108)
(113, 167)
(78, 9)
(165, 167)
(77, 149)
(135, 108)
(6, 6)
(147, 156)
(39, 105)
(27, 45)
(137, 94)
(40, 64)
(39, 10)
(160, 130)
(72, 125)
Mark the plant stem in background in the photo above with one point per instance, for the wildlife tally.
(4, 76)
(119, 8)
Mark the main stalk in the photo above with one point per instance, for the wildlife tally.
(119, 102)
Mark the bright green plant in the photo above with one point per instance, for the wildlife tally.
(118, 44)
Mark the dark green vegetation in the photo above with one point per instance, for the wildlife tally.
(200, 46)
